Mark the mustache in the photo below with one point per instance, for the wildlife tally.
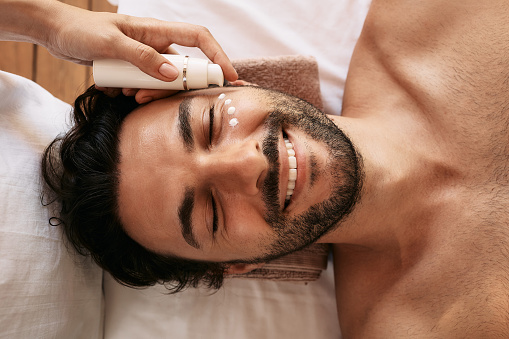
(270, 187)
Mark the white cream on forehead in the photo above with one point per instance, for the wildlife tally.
(234, 122)
(231, 110)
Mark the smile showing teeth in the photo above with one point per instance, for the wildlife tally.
(292, 162)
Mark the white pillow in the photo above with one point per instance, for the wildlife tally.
(45, 290)
(242, 309)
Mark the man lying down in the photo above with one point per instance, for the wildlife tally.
(410, 184)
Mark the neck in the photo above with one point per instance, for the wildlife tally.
(398, 187)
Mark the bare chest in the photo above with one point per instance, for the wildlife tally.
(457, 287)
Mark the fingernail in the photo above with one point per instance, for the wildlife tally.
(144, 100)
(169, 71)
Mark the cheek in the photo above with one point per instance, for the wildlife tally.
(245, 226)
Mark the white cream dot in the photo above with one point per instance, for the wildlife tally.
(221, 96)
(234, 122)
(228, 101)
(231, 110)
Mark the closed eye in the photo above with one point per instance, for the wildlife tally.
(211, 134)
(211, 124)
(214, 217)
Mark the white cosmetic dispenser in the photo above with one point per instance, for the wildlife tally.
(194, 73)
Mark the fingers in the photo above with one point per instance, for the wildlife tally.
(199, 36)
(111, 92)
(146, 95)
(160, 35)
(141, 40)
(147, 59)
(129, 92)
(170, 50)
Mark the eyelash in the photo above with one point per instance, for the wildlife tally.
(211, 124)
(211, 133)
(214, 216)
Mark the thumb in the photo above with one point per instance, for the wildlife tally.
(148, 60)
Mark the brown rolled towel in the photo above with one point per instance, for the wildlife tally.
(293, 74)
(296, 75)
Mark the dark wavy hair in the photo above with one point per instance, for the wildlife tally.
(80, 169)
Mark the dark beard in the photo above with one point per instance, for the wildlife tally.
(344, 165)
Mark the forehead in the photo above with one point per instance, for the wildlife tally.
(150, 127)
(167, 108)
(153, 125)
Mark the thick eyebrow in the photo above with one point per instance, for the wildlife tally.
(184, 126)
(184, 212)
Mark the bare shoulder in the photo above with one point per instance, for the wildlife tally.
(406, 23)
(449, 58)
(444, 53)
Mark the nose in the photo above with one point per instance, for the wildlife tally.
(239, 166)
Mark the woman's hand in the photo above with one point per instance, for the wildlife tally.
(78, 35)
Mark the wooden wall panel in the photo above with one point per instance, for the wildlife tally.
(17, 58)
(65, 80)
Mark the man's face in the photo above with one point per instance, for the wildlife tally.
(218, 191)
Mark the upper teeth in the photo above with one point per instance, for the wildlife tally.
(292, 176)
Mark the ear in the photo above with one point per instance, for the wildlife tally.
(242, 268)
(242, 83)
